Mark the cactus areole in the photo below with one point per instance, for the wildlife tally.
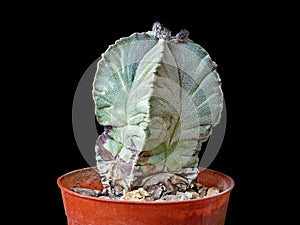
(158, 97)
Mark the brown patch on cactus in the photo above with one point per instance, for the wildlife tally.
(143, 156)
(150, 168)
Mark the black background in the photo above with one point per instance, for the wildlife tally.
(64, 40)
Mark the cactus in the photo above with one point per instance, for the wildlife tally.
(158, 97)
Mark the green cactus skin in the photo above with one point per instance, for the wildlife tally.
(158, 97)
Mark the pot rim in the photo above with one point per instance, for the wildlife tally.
(64, 189)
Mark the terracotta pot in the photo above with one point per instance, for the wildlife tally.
(86, 210)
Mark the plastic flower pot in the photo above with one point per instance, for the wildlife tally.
(85, 210)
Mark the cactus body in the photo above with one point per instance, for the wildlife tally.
(158, 97)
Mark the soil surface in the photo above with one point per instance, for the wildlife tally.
(196, 191)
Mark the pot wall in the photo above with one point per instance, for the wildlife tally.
(86, 210)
